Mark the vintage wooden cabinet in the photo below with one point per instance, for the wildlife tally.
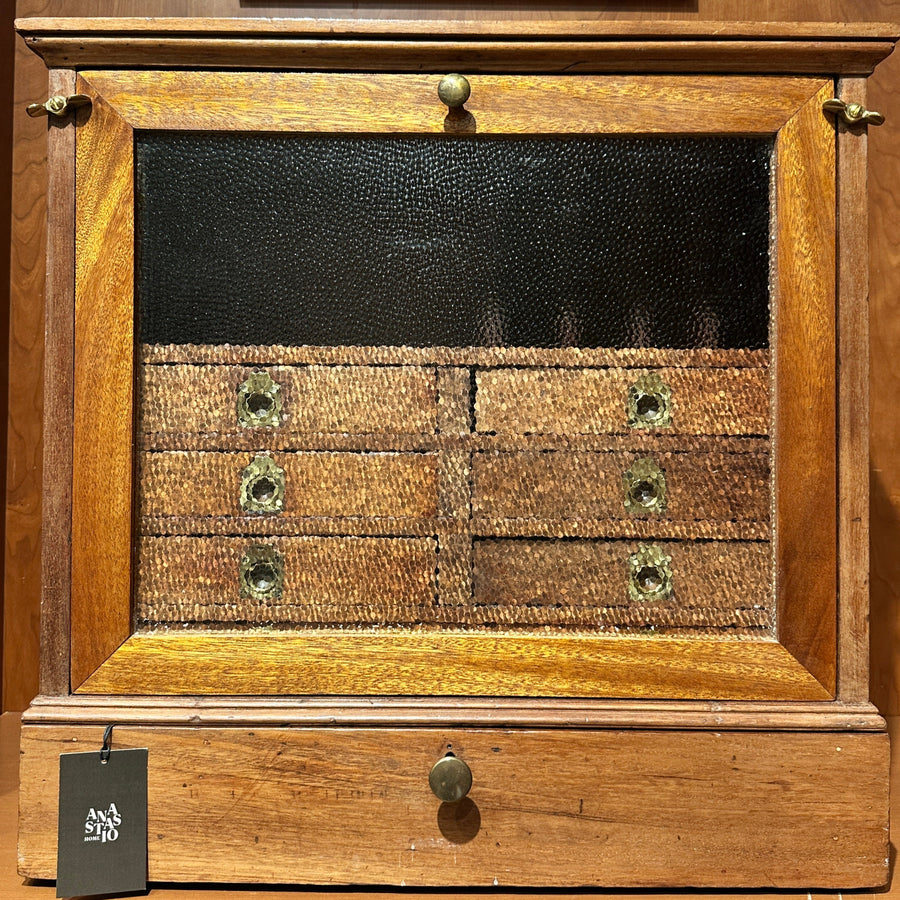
(514, 419)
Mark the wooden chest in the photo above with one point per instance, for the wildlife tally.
(516, 420)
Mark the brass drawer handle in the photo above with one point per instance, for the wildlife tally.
(645, 487)
(649, 403)
(262, 486)
(259, 402)
(649, 574)
(450, 779)
(261, 573)
(454, 90)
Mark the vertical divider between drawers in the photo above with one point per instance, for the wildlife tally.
(455, 552)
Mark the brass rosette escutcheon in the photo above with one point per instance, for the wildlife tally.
(649, 403)
(645, 487)
(259, 401)
(262, 486)
(649, 574)
(261, 573)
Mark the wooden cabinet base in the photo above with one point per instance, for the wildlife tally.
(563, 808)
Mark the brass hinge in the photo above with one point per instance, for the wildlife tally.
(58, 106)
(853, 113)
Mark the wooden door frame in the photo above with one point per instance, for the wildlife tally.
(107, 658)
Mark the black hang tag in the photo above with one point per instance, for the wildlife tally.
(102, 845)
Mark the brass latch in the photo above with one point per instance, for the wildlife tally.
(853, 113)
(58, 106)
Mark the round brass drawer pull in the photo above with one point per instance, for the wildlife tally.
(259, 402)
(649, 403)
(454, 90)
(649, 574)
(450, 779)
(262, 486)
(645, 487)
(261, 573)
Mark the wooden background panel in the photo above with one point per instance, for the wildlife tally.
(22, 589)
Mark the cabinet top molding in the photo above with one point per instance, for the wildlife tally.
(573, 45)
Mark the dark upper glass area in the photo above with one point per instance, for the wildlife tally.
(589, 242)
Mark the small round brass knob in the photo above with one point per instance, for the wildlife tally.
(454, 90)
(450, 779)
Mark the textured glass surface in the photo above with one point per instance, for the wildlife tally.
(591, 242)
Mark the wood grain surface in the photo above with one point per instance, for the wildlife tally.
(22, 550)
(277, 662)
(22, 577)
(655, 808)
(102, 424)
(529, 48)
(804, 388)
(408, 103)
(853, 403)
(8, 43)
(59, 354)
(485, 22)
(884, 420)
(469, 712)
(15, 887)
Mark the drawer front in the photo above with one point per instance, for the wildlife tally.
(700, 489)
(198, 485)
(299, 580)
(567, 808)
(596, 401)
(179, 399)
(669, 585)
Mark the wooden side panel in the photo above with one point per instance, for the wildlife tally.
(593, 401)
(853, 404)
(805, 431)
(884, 292)
(24, 497)
(354, 103)
(555, 809)
(315, 400)
(58, 372)
(345, 485)
(104, 350)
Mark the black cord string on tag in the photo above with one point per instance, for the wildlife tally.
(106, 749)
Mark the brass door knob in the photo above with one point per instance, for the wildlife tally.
(450, 779)
(454, 90)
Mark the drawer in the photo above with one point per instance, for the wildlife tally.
(702, 492)
(288, 485)
(227, 400)
(300, 580)
(597, 401)
(707, 587)
(551, 808)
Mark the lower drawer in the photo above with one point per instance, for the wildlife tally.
(305, 580)
(557, 808)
